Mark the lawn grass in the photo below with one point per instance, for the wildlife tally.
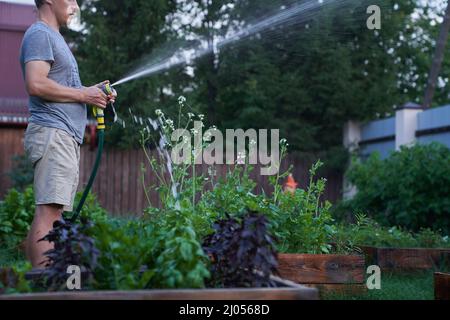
(396, 286)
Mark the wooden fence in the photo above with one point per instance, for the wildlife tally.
(119, 187)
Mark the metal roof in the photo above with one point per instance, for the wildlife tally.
(14, 21)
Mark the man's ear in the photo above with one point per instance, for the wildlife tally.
(49, 2)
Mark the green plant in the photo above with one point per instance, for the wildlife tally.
(409, 189)
(16, 215)
(158, 252)
(17, 212)
(124, 247)
(180, 261)
(12, 279)
(368, 232)
(303, 223)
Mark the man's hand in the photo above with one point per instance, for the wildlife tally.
(112, 97)
(94, 96)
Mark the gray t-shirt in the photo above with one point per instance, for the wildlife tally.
(42, 43)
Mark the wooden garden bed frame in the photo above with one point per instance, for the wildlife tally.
(404, 259)
(327, 272)
(441, 286)
(288, 291)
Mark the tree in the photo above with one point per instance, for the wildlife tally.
(117, 35)
(437, 60)
(306, 77)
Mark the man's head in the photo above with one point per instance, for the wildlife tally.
(62, 10)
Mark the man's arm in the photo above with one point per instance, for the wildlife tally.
(38, 84)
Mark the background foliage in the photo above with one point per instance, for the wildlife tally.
(307, 79)
(408, 189)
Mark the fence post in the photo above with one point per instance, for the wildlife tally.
(352, 137)
(406, 124)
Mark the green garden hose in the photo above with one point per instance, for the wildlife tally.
(99, 114)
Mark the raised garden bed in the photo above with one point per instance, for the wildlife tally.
(391, 259)
(327, 272)
(441, 286)
(287, 290)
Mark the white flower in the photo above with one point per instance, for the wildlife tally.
(191, 115)
(241, 158)
(201, 117)
(159, 113)
(283, 141)
(181, 100)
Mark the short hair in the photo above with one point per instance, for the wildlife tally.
(39, 3)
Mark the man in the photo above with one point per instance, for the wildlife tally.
(58, 118)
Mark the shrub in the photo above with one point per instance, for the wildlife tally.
(411, 188)
(370, 233)
(17, 212)
(303, 223)
(16, 215)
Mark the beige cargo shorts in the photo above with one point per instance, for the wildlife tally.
(55, 156)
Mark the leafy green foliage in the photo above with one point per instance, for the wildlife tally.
(368, 232)
(119, 36)
(303, 222)
(287, 78)
(16, 215)
(166, 247)
(243, 253)
(180, 261)
(124, 247)
(17, 212)
(12, 279)
(409, 189)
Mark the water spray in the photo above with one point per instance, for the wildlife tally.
(298, 13)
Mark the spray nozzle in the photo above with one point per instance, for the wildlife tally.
(109, 90)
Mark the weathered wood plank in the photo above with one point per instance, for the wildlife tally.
(412, 258)
(340, 289)
(321, 268)
(297, 293)
(441, 286)
(371, 254)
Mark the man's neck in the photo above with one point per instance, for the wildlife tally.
(47, 17)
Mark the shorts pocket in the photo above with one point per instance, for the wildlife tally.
(34, 143)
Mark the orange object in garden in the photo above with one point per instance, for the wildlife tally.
(290, 185)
